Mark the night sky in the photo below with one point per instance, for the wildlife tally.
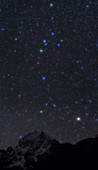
(48, 69)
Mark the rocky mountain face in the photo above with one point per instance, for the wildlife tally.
(37, 150)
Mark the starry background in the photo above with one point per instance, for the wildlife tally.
(48, 69)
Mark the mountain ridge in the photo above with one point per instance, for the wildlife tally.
(37, 150)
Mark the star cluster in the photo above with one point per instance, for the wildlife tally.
(48, 69)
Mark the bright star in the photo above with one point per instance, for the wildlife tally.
(20, 137)
(58, 45)
(41, 50)
(52, 33)
(16, 39)
(44, 41)
(51, 5)
(78, 118)
(43, 78)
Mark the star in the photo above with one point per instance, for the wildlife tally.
(52, 33)
(78, 118)
(2, 29)
(51, 5)
(58, 45)
(41, 50)
(16, 38)
(20, 137)
(43, 78)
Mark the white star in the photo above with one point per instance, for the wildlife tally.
(51, 5)
(78, 118)
(41, 111)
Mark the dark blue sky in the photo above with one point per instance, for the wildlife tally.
(48, 69)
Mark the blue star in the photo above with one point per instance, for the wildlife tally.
(45, 44)
(86, 49)
(52, 18)
(77, 61)
(26, 110)
(8, 75)
(31, 30)
(52, 33)
(90, 101)
(16, 39)
(85, 107)
(37, 24)
(14, 51)
(43, 78)
(2, 29)
(60, 141)
(41, 50)
(20, 137)
(46, 104)
(86, 114)
(87, 6)
(54, 105)
(44, 41)
(82, 67)
(95, 79)
(58, 45)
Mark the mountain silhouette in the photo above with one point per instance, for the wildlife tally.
(37, 150)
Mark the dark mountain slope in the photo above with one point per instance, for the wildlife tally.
(37, 150)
